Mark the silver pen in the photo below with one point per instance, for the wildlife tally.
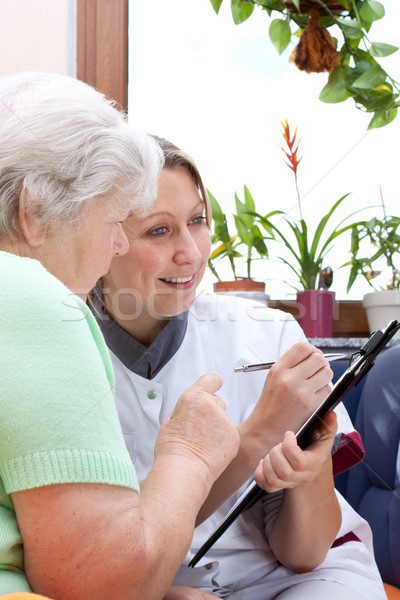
(267, 365)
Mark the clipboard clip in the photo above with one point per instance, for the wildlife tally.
(372, 344)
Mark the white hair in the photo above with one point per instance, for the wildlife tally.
(61, 143)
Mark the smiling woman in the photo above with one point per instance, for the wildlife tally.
(167, 257)
(162, 336)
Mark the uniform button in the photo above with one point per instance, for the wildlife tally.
(151, 394)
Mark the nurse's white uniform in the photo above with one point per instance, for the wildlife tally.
(224, 332)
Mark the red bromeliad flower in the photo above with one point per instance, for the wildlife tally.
(292, 154)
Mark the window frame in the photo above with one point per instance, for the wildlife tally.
(102, 47)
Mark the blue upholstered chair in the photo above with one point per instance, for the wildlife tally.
(373, 486)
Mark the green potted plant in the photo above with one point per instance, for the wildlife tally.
(306, 253)
(375, 251)
(227, 246)
(354, 68)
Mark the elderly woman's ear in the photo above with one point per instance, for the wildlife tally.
(32, 230)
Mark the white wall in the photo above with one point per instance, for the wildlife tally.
(37, 35)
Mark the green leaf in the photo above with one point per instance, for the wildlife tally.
(248, 200)
(217, 212)
(372, 10)
(216, 4)
(371, 78)
(352, 277)
(297, 4)
(221, 234)
(361, 67)
(221, 250)
(350, 28)
(243, 231)
(346, 51)
(260, 246)
(379, 98)
(345, 3)
(380, 119)
(336, 88)
(321, 226)
(243, 212)
(280, 34)
(380, 49)
(270, 5)
(241, 10)
(243, 215)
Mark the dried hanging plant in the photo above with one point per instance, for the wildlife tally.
(354, 71)
(316, 51)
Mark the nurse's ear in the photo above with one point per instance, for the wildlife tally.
(32, 230)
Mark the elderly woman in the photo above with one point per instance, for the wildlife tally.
(72, 523)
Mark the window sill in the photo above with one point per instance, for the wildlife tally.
(350, 317)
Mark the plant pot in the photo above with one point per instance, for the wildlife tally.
(307, 5)
(239, 285)
(244, 288)
(381, 307)
(316, 311)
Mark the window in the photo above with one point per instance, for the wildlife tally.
(220, 91)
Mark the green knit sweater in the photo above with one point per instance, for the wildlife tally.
(58, 422)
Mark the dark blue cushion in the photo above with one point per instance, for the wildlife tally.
(373, 487)
(352, 397)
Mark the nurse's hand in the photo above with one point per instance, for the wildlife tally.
(199, 429)
(178, 592)
(296, 384)
(309, 510)
(287, 465)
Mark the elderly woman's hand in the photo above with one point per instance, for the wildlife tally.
(104, 523)
(199, 429)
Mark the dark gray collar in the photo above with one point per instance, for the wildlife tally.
(146, 362)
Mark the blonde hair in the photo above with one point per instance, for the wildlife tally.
(174, 157)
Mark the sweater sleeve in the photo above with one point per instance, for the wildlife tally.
(58, 419)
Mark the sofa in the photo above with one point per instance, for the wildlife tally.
(373, 486)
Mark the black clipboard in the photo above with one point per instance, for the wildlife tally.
(360, 363)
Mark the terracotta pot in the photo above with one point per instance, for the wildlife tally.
(316, 311)
(239, 285)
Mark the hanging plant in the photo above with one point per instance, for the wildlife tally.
(316, 51)
(354, 71)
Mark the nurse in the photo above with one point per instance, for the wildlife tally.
(303, 538)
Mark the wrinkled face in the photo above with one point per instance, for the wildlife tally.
(168, 251)
(81, 255)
